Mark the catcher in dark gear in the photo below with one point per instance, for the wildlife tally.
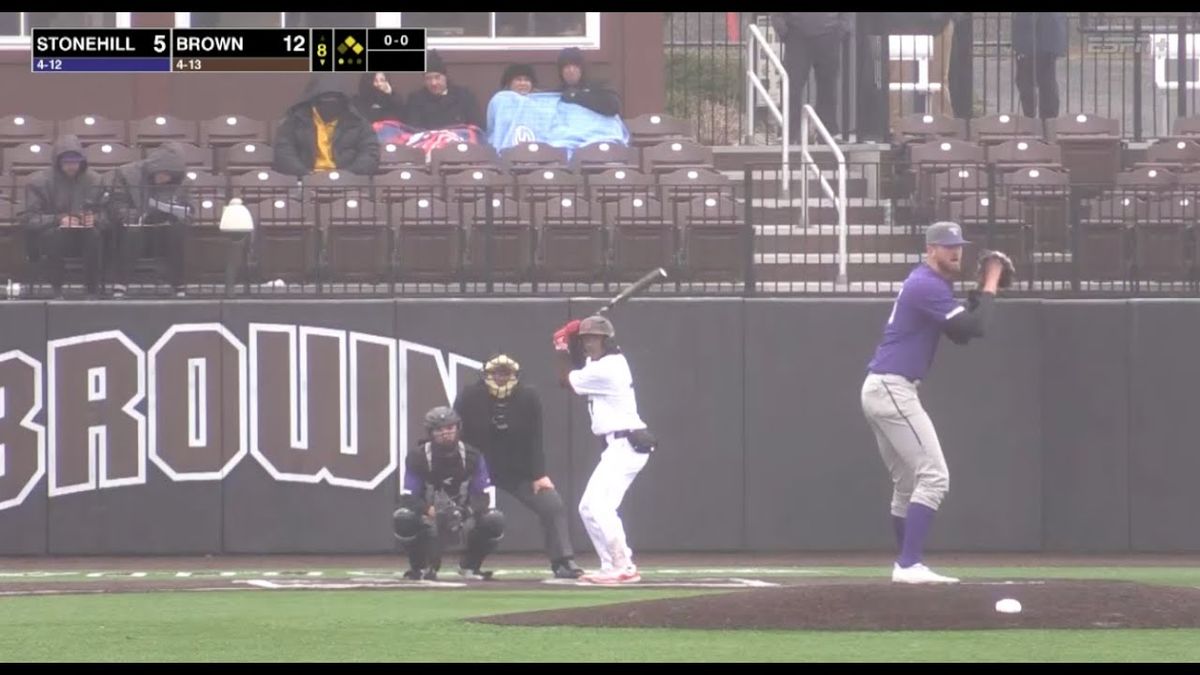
(503, 418)
(447, 497)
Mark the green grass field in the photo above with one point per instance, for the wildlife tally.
(431, 626)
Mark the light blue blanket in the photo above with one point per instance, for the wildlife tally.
(514, 119)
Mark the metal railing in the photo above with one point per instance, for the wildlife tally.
(754, 83)
(839, 199)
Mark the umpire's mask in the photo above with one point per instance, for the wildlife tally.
(500, 374)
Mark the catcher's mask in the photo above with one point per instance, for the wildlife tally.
(501, 374)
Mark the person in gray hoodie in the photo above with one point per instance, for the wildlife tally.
(813, 41)
(149, 192)
(61, 212)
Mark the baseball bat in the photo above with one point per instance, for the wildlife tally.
(634, 288)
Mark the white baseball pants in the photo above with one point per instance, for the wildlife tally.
(619, 465)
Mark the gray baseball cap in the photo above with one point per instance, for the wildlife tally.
(945, 233)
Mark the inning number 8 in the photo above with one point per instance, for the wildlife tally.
(321, 50)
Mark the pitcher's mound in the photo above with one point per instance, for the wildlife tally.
(887, 606)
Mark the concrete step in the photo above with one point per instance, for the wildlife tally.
(769, 185)
(768, 213)
(828, 272)
(739, 156)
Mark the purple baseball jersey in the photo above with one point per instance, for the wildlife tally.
(910, 338)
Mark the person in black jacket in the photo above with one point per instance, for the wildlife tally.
(813, 40)
(503, 418)
(377, 100)
(60, 205)
(1039, 40)
(580, 89)
(440, 104)
(323, 132)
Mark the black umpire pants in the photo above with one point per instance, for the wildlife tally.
(1037, 83)
(823, 55)
(552, 512)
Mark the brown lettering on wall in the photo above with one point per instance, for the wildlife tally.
(197, 386)
(22, 440)
(322, 410)
(97, 437)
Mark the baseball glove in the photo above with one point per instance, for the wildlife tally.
(1007, 274)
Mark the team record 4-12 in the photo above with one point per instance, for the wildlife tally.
(190, 50)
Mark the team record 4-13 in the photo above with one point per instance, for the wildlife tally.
(245, 50)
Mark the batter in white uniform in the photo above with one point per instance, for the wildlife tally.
(604, 377)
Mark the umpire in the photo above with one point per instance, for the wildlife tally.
(503, 418)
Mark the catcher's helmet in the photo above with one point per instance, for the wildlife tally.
(597, 325)
(441, 416)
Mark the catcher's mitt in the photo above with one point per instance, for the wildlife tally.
(1007, 274)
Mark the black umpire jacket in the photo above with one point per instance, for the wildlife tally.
(508, 431)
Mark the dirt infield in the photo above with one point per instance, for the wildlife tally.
(886, 606)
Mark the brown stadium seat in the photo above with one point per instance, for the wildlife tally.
(527, 157)
(1177, 155)
(716, 239)
(1105, 237)
(358, 242)
(194, 156)
(473, 184)
(653, 128)
(157, 129)
(202, 184)
(613, 184)
(945, 154)
(1018, 153)
(572, 246)
(106, 156)
(548, 183)
(13, 261)
(921, 128)
(676, 154)
(643, 237)
(429, 240)
(28, 158)
(1186, 127)
(19, 129)
(463, 157)
(400, 184)
(1160, 241)
(1146, 181)
(1043, 194)
(393, 156)
(996, 223)
(207, 249)
(955, 185)
(255, 186)
(509, 226)
(286, 239)
(603, 156)
(1091, 148)
(227, 130)
(95, 129)
(243, 157)
(1003, 127)
(325, 186)
(687, 184)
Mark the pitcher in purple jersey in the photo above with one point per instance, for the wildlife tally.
(924, 310)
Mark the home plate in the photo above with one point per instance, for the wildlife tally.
(694, 583)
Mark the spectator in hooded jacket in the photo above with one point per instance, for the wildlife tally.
(813, 41)
(377, 100)
(518, 77)
(579, 88)
(441, 104)
(323, 132)
(1039, 40)
(61, 212)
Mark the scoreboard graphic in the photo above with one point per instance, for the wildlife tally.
(233, 50)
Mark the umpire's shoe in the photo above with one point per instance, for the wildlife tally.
(567, 569)
(475, 575)
(413, 575)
